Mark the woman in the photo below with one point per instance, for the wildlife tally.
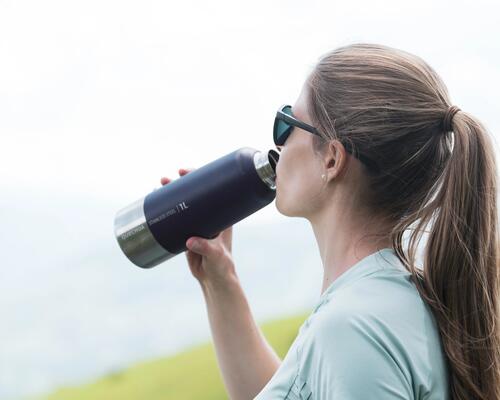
(374, 148)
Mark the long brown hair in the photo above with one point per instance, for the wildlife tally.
(389, 105)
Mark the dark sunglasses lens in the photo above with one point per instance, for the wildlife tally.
(281, 128)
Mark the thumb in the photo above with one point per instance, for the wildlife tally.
(199, 245)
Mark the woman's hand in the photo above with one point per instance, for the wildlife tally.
(210, 260)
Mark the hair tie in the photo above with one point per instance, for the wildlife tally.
(452, 110)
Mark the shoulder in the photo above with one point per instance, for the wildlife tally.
(383, 315)
(377, 331)
(346, 332)
(344, 356)
(384, 299)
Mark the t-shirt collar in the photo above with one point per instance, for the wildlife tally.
(380, 259)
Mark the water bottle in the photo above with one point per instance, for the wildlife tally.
(201, 203)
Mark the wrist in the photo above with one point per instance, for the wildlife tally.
(228, 285)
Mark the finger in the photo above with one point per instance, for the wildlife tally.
(227, 237)
(200, 246)
(184, 171)
(165, 180)
(227, 233)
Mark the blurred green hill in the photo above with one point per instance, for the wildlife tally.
(189, 375)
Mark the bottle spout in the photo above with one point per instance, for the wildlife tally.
(274, 157)
(265, 165)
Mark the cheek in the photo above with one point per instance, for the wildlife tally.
(296, 173)
(296, 182)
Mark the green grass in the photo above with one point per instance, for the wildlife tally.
(190, 375)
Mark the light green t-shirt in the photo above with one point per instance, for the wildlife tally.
(370, 336)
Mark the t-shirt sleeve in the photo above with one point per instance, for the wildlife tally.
(347, 357)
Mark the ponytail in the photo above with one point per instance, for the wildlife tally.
(460, 278)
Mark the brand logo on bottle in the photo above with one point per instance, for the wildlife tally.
(178, 208)
(137, 229)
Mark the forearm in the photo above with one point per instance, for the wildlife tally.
(246, 360)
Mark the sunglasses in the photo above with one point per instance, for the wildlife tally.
(284, 122)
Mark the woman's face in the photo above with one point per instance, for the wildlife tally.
(299, 169)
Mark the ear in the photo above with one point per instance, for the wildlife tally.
(335, 159)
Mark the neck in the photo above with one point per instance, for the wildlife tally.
(344, 239)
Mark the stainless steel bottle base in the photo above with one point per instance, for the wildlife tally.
(135, 239)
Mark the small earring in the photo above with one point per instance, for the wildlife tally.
(323, 177)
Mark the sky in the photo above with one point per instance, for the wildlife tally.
(105, 97)
(100, 99)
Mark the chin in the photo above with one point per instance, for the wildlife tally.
(282, 208)
(277, 204)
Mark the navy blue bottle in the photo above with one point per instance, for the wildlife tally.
(201, 203)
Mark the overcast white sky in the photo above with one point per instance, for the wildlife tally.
(104, 97)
